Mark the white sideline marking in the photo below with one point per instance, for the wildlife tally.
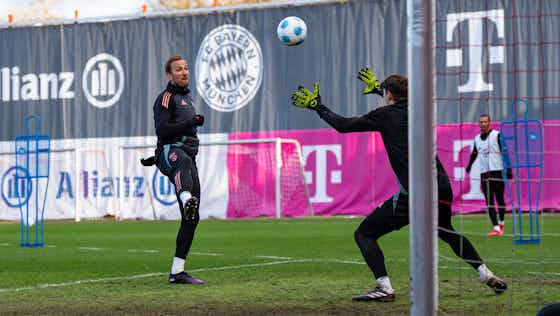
(5, 245)
(143, 250)
(314, 260)
(250, 265)
(47, 285)
(206, 254)
(540, 273)
(285, 260)
(340, 261)
(90, 248)
(141, 276)
(273, 257)
(454, 268)
(335, 261)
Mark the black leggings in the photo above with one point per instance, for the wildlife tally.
(492, 185)
(393, 215)
(181, 170)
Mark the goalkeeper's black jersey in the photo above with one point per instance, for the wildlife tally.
(392, 122)
(174, 117)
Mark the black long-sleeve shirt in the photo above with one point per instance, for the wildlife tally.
(174, 115)
(392, 122)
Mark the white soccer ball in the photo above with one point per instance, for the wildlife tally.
(291, 30)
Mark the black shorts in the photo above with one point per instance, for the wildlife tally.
(393, 213)
(174, 158)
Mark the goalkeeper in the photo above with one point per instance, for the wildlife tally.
(391, 121)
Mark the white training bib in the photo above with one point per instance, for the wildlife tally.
(489, 152)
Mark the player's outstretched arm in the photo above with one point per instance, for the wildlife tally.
(304, 98)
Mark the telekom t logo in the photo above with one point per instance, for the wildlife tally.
(459, 172)
(476, 20)
(320, 180)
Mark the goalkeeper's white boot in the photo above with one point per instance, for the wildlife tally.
(487, 277)
(377, 294)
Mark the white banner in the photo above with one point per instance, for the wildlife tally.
(85, 181)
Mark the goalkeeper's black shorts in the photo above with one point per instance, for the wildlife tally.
(393, 213)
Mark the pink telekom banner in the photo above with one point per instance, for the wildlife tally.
(454, 146)
(349, 174)
(345, 173)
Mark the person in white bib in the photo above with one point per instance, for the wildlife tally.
(487, 148)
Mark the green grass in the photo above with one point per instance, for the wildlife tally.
(70, 277)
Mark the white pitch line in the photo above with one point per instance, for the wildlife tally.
(143, 250)
(273, 257)
(454, 268)
(90, 248)
(250, 265)
(141, 276)
(339, 261)
(313, 259)
(48, 285)
(206, 254)
(241, 266)
(540, 273)
(5, 245)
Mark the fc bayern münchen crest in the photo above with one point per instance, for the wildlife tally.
(229, 68)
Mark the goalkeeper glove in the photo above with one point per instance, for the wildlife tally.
(372, 84)
(305, 98)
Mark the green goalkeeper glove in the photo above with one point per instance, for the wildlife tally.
(372, 85)
(305, 98)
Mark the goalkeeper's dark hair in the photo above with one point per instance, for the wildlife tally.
(397, 85)
(171, 60)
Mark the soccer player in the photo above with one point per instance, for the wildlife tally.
(487, 148)
(176, 124)
(392, 122)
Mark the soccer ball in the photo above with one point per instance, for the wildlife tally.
(291, 30)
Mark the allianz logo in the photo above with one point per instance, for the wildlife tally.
(102, 83)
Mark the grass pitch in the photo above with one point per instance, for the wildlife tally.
(258, 267)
